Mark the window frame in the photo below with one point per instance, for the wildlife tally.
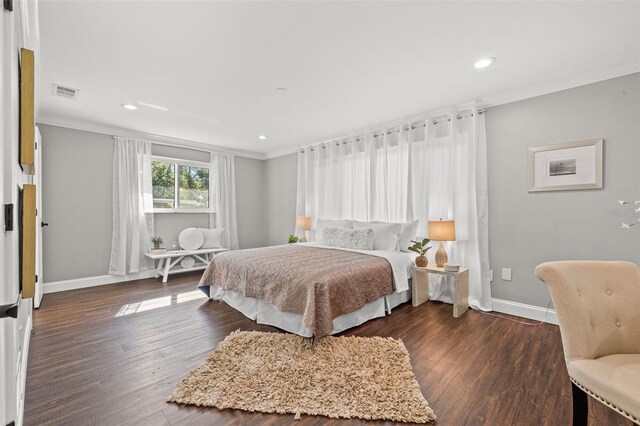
(188, 163)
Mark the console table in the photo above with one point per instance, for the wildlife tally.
(420, 287)
(202, 255)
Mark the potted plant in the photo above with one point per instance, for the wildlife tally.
(156, 242)
(421, 248)
(293, 239)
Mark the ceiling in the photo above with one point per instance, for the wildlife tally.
(346, 65)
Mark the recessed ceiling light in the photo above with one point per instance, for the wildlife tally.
(484, 62)
(129, 106)
(161, 108)
(262, 137)
(282, 91)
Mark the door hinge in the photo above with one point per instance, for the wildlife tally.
(8, 217)
(8, 5)
(36, 278)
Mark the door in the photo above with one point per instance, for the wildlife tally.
(18, 29)
(37, 178)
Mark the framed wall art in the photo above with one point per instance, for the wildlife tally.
(566, 166)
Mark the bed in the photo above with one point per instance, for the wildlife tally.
(310, 289)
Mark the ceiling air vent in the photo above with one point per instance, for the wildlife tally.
(65, 92)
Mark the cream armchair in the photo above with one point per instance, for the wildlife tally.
(598, 308)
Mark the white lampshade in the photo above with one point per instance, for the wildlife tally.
(303, 223)
(442, 230)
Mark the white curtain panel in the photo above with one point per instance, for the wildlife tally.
(449, 181)
(402, 175)
(224, 186)
(132, 207)
(364, 179)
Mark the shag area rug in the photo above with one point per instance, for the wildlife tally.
(350, 377)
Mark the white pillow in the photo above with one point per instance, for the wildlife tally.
(212, 237)
(356, 239)
(345, 224)
(324, 223)
(386, 234)
(408, 232)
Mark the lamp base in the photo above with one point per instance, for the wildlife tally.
(441, 256)
(303, 237)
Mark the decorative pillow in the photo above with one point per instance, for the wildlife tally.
(326, 223)
(408, 232)
(386, 234)
(212, 237)
(191, 239)
(356, 239)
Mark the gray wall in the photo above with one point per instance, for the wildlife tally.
(77, 202)
(280, 176)
(179, 152)
(249, 202)
(528, 228)
(168, 225)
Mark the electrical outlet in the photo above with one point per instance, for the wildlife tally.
(506, 274)
(490, 275)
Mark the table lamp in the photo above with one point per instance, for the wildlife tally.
(442, 230)
(303, 223)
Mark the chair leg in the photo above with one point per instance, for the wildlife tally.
(580, 406)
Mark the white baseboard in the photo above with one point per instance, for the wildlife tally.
(23, 369)
(525, 311)
(56, 286)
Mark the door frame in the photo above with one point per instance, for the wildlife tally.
(37, 180)
(4, 339)
(8, 346)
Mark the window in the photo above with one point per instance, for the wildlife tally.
(164, 187)
(180, 186)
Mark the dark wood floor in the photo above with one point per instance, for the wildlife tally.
(111, 355)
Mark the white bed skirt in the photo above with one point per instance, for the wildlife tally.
(264, 313)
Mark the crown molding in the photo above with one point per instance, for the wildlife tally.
(119, 131)
(539, 89)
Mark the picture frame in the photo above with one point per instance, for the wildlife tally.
(566, 166)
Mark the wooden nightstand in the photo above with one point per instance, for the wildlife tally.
(420, 287)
